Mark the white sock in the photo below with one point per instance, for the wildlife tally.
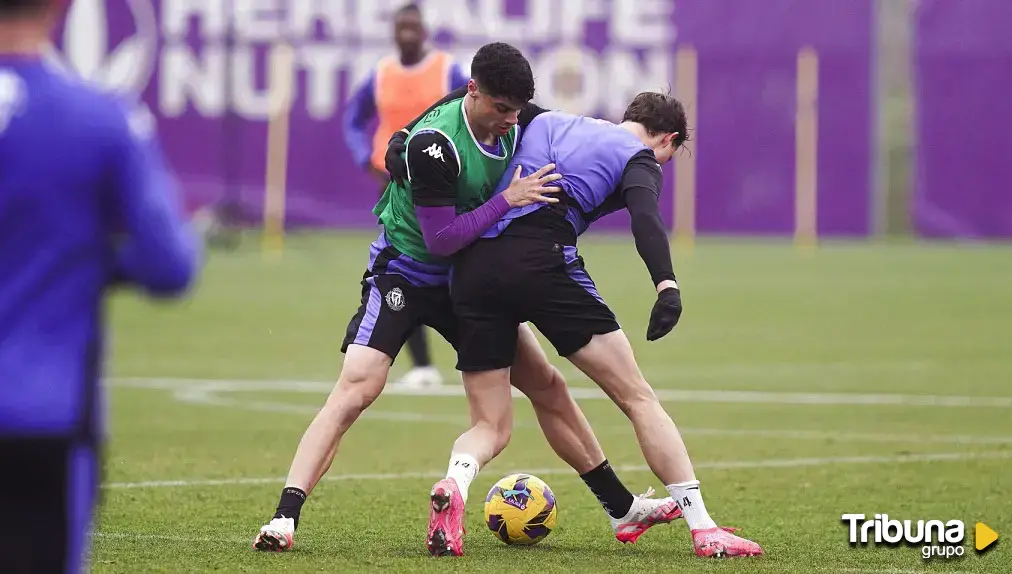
(463, 468)
(686, 495)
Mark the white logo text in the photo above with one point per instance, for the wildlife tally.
(936, 538)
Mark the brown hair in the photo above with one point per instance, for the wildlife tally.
(659, 114)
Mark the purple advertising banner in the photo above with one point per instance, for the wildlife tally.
(748, 52)
(201, 68)
(963, 60)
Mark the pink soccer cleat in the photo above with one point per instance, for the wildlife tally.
(446, 520)
(644, 513)
(721, 543)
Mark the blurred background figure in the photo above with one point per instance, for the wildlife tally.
(85, 204)
(401, 86)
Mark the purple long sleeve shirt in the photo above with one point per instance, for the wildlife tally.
(445, 232)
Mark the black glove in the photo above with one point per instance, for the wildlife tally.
(665, 314)
(394, 158)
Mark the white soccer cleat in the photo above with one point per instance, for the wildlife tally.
(644, 513)
(278, 536)
(421, 378)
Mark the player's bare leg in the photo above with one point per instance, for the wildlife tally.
(565, 427)
(609, 361)
(362, 379)
(490, 402)
(567, 431)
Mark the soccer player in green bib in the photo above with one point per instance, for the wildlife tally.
(455, 157)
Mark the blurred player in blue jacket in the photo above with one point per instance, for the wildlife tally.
(85, 204)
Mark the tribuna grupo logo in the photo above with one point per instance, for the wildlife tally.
(935, 537)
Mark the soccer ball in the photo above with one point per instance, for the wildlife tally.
(520, 509)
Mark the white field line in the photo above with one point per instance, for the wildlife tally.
(206, 392)
(715, 465)
(587, 393)
(136, 536)
(209, 398)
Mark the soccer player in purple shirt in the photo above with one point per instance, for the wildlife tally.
(526, 268)
(86, 204)
(457, 156)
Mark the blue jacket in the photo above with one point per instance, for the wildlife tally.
(86, 203)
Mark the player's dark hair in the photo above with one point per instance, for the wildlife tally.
(409, 7)
(16, 8)
(501, 71)
(659, 114)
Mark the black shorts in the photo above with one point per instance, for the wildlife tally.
(500, 283)
(392, 308)
(49, 488)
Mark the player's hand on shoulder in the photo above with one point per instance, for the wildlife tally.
(666, 312)
(394, 158)
(532, 189)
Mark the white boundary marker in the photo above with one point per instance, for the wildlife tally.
(211, 399)
(717, 465)
(134, 536)
(209, 393)
(200, 386)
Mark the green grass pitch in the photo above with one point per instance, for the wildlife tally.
(861, 378)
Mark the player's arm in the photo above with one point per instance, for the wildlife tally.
(641, 186)
(434, 168)
(159, 251)
(361, 110)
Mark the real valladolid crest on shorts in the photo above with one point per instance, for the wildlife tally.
(395, 299)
